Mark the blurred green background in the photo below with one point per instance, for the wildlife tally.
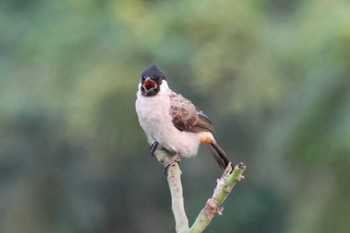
(273, 76)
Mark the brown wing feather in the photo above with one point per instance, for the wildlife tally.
(187, 117)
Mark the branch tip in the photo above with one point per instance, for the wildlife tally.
(241, 166)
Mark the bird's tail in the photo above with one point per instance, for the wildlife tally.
(219, 155)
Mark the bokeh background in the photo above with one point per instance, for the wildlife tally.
(273, 75)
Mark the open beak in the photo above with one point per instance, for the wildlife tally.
(149, 84)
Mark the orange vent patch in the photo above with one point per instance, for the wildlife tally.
(206, 140)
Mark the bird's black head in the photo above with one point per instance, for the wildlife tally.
(151, 79)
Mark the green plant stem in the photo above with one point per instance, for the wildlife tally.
(223, 188)
(213, 206)
(175, 186)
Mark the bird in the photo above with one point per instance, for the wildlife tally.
(171, 121)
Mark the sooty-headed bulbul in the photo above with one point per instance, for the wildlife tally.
(172, 121)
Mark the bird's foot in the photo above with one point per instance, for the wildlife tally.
(175, 158)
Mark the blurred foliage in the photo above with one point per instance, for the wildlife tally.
(272, 75)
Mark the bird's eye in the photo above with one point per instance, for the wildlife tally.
(143, 78)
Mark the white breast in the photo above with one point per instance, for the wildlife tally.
(154, 118)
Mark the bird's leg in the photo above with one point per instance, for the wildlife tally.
(156, 146)
(153, 147)
(175, 158)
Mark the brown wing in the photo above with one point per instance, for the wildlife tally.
(187, 117)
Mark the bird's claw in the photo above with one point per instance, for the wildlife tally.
(173, 159)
